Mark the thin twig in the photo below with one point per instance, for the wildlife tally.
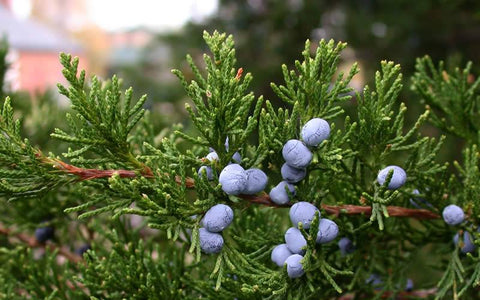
(88, 174)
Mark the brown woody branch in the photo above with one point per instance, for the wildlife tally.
(393, 211)
(88, 174)
(264, 199)
(33, 243)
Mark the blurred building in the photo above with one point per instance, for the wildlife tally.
(34, 51)
(66, 15)
(73, 19)
(126, 45)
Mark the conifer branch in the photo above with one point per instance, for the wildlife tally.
(264, 199)
(33, 243)
(110, 139)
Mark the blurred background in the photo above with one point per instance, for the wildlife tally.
(143, 40)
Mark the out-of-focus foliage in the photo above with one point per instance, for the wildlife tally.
(3, 64)
(271, 32)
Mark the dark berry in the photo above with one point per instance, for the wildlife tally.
(43, 234)
(82, 249)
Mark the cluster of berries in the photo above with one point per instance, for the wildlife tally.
(291, 252)
(216, 219)
(454, 215)
(235, 180)
(297, 157)
(213, 157)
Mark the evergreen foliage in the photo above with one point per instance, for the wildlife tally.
(116, 169)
